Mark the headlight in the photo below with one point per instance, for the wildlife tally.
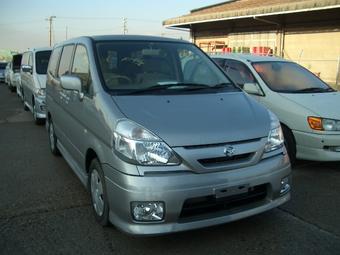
(41, 92)
(321, 124)
(275, 137)
(142, 147)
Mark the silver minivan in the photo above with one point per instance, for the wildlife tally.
(13, 72)
(160, 136)
(33, 81)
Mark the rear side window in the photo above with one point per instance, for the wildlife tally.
(53, 63)
(81, 67)
(65, 61)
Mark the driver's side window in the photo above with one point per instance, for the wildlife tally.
(194, 69)
(238, 72)
(81, 68)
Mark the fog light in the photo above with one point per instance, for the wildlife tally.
(147, 211)
(285, 186)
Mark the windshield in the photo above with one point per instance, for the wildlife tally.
(146, 67)
(3, 65)
(42, 58)
(287, 77)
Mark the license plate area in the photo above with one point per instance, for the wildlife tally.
(230, 191)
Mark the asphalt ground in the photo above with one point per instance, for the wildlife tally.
(44, 209)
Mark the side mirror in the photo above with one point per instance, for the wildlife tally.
(253, 89)
(69, 82)
(27, 69)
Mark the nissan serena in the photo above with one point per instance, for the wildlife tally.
(160, 136)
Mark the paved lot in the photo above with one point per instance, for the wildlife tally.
(45, 210)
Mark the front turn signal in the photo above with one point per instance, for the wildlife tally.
(315, 123)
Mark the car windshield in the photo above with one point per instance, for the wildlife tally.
(3, 65)
(152, 67)
(42, 58)
(288, 77)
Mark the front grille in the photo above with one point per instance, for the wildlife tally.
(210, 206)
(194, 147)
(213, 162)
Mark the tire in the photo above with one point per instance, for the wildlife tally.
(52, 139)
(98, 193)
(37, 121)
(25, 107)
(290, 144)
(12, 89)
(22, 95)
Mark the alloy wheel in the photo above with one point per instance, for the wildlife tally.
(97, 192)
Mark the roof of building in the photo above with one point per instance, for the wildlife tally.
(235, 9)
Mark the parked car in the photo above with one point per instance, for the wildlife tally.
(162, 147)
(33, 81)
(13, 72)
(2, 71)
(307, 107)
(17, 81)
(7, 72)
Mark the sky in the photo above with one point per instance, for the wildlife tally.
(23, 23)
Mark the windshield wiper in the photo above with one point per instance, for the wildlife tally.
(183, 86)
(314, 89)
(166, 86)
(222, 85)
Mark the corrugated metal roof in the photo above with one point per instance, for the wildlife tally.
(247, 8)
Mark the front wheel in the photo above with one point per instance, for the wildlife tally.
(52, 138)
(290, 144)
(12, 88)
(98, 193)
(38, 121)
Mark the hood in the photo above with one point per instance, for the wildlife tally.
(324, 105)
(41, 80)
(199, 119)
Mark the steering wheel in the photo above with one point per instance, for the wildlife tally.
(113, 79)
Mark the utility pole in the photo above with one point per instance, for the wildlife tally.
(125, 29)
(50, 20)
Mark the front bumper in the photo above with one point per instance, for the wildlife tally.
(312, 146)
(175, 189)
(40, 107)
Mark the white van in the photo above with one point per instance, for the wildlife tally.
(33, 81)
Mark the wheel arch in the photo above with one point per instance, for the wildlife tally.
(289, 129)
(90, 155)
